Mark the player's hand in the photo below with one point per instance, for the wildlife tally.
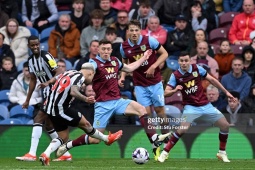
(232, 98)
(178, 87)
(90, 99)
(121, 82)
(43, 85)
(150, 72)
(147, 54)
(25, 105)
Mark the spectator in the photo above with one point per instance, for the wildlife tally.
(252, 37)
(248, 102)
(235, 113)
(218, 6)
(200, 35)
(86, 109)
(111, 35)
(224, 58)
(63, 5)
(5, 50)
(3, 17)
(110, 14)
(143, 13)
(237, 79)
(95, 31)
(198, 20)
(232, 5)
(91, 5)
(93, 51)
(64, 40)
(62, 65)
(210, 14)
(16, 36)
(248, 56)
(155, 30)
(213, 95)
(7, 74)
(167, 10)
(242, 25)
(179, 39)
(79, 16)
(202, 58)
(39, 14)
(10, 7)
(19, 90)
(121, 24)
(121, 4)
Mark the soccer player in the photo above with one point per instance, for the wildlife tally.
(57, 106)
(108, 98)
(187, 79)
(147, 78)
(42, 66)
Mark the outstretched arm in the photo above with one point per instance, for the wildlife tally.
(133, 66)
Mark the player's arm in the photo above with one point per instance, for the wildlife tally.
(133, 66)
(123, 74)
(217, 84)
(162, 56)
(75, 92)
(47, 83)
(169, 91)
(32, 85)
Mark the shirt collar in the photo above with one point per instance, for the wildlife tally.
(182, 72)
(138, 43)
(102, 60)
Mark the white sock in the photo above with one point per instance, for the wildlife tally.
(69, 144)
(54, 144)
(53, 134)
(100, 135)
(36, 135)
(224, 152)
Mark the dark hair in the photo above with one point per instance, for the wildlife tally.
(237, 58)
(184, 53)
(145, 3)
(2, 35)
(79, 1)
(61, 61)
(110, 30)
(25, 64)
(134, 22)
(104, 41)
(93, 41)
(235, 94)
(32, 37)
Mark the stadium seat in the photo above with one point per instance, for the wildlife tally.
(20, 66)
(175, 100)
(44, 46)
(215, 48)
(216, 35)
(44, 36)
(173, 112)
(237, 50)
(11, 122)
(225, 20)
(172, 64)
(69, 65)
(24, 115)
(30, 122)
(33, 31)
(4, 113)
(4, 100)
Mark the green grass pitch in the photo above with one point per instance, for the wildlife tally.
(128, 164)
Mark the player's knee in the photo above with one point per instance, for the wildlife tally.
(39, 118)
(224, 126)
(141, 110)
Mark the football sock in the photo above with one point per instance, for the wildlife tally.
(82, 140)
(148, 127)
(55, 143)
(173, 140)
(98, 135)
(36, 134)
(223, 137)
(53, 134)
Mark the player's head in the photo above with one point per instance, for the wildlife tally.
(184, 61)
(134, 31)
(105, 49)
(88, 72)
(34, 44)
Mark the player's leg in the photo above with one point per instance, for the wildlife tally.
(36, 135)
(61, 126)
(190, 113)
(223, 124)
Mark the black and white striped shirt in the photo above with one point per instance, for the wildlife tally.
(43, 67)
(60, 97)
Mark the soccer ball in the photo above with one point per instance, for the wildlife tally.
(140, 156)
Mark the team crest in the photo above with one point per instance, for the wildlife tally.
(113, 63)
(143, 47)
(129, 51)
(195, 74)
(97, 123)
